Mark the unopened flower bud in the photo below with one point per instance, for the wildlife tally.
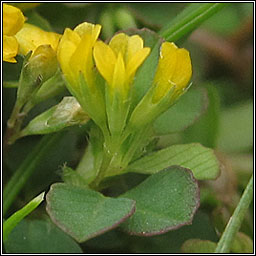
(43, 63)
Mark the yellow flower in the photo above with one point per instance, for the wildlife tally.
(118, 61)
(75, 52)
(30, 37)
(174, 69)
(13, 21)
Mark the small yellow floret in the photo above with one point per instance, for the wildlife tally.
(118, 61)
(75, 52)
(174, 69)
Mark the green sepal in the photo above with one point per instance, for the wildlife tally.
(147, 111)
(92, 100)
(26, 84)
(117, 107)
(52, 87)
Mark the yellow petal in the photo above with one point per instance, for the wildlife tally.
(183, 69)
(86, 28)
(105, 60)
(82, 57)
(81, 60)
(119, 43)
(67, 46)
(135, 44)
(10, 48)
(165, 69)
(174, 69)
(136, 60)
(30, 37)
(13, 20)
(119, 76)
(127, 45)
(167, 62)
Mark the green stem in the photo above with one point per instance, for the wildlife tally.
(236, 219)
(102, 171)
(14, 115)
(189, 19)
(21, 176)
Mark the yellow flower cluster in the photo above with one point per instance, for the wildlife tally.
(119, 60)
(79, 51)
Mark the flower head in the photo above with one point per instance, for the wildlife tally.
(118, 61)
(75, 52)
(13, 20)
(174, 69)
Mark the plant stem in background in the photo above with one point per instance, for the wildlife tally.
(189, 19)
(236, 220)
(29, 165)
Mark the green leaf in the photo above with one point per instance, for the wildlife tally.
(40, 236)
(67, 113)
(205, 130)
(183, 114)
(12, 221)
(165, 201)
(198, 246)
(85, 213)
(189, 19)
(236, 128)
(172, 241)
(200, 160)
